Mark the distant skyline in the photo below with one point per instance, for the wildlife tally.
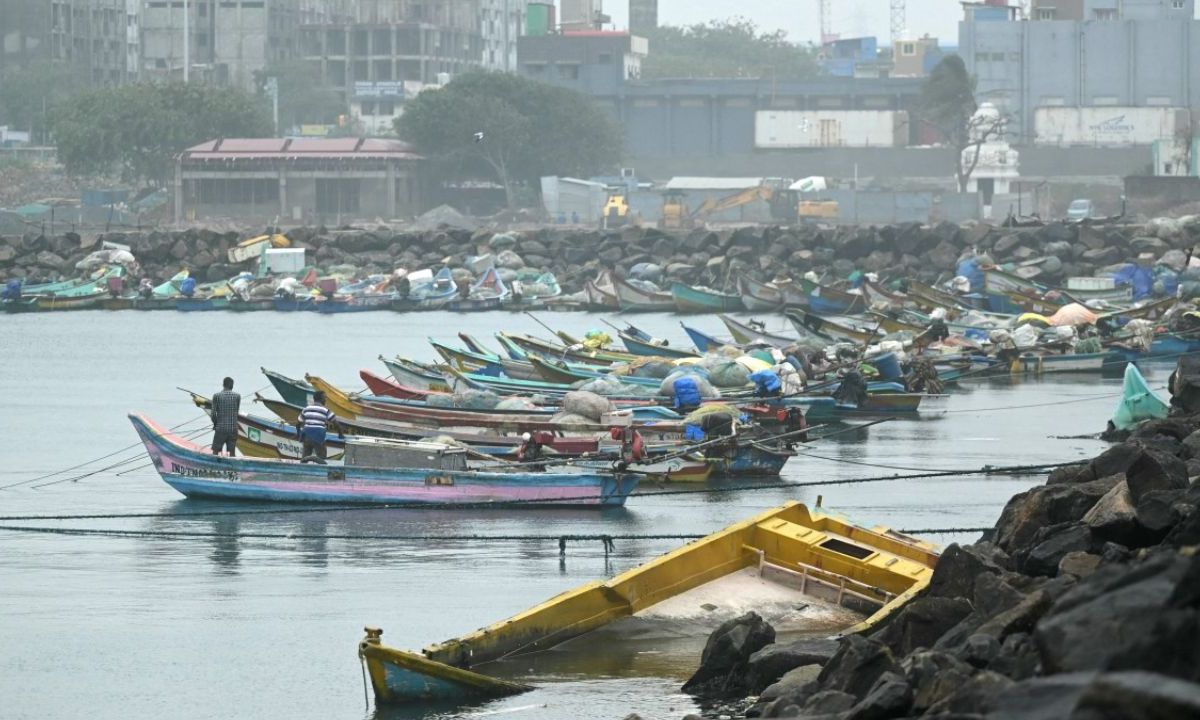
(851, 18)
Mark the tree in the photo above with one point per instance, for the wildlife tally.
(302, 98)
(947, 102)
(726, 48)
(139, 129)
(30, 96)
(510, 128)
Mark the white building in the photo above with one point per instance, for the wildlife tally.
(998, 163)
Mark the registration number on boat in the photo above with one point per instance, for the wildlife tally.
(439, 480)
(185, 471)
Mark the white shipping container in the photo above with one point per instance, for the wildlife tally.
(285, 260)
(775, 129)
(1106, 125)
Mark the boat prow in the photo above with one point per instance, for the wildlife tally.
(853, 578)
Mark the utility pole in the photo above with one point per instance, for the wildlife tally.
(187, 41)
(273, 90)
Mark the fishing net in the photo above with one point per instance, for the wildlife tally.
(606, 385)
(586, 404)
(705, 388)
(516, 403)
(697, 415)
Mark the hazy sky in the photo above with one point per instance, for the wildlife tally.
(851, 18)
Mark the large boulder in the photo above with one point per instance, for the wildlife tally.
(1155, 470)
(771, 663)
(1052, 544)
(1028, 512)
(1114, 516)
(921, 622)
(960, 566)
(726, 655)
(857, 665)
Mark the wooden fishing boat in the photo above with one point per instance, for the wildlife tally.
(236, 304)
(808, 323)
(1038, 364)
(553, 351)
(428, 293)
(760, 296)
(644, 348)
(194, 471)
(786, 558)
(690, 299)
(999, 282)
(877, 294)
(300, 303)
(553, 372)
(745, 334)
(631, 298)
(826, 300)
(534, 294)
(412, 374)
(359, 302)
(292, 390)
(600, 293)
(202, 304)
(474, 345)
(80, 294)
(703, 341)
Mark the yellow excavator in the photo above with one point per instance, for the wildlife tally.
(616, 211)
(675, 213)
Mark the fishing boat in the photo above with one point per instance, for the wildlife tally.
(237, 304)
(488, 293)
(703, 341)
(690, 299)
(648, 348)
(601, 293)
(746, 333)
(631, 298)
(808, 323)
(573, 353)
(1038, 363)
(998, 282)
(78, 294)
(826, 300)
(415, 375)
(358, 302)
(202, 304)
(800, 568)
(375, 471)
(759, 296)
(427, 291)
(531, 294)
(296, 392)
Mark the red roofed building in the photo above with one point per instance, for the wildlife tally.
(321, 180)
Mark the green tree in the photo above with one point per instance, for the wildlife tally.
(303, 99)
(139, 129)
(948, 103)
(30, 97)
(529, 129)
(726, 48)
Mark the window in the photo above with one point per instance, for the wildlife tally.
(981, 57)
(368, 108)
(568, 72)
(1178, 4)
(908, 49)
(1105, 14)
(1045, 13)
(1104, 100)
(604, 58)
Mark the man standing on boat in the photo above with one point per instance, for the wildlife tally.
(313, 425)
(225, 406)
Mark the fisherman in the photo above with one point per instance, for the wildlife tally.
(12, 290)
(145, 289)
(188, 287)
(531, 450)
(225, 406)
(313, 424)
(852, 391)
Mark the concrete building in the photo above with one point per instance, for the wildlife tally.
(1023, 67)
(915, 57)
(228, 42)
(297, 180)
(99, 38)
(594, 62)
(851, 57)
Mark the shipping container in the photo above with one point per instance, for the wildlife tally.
(1103, 126)
(539, 19)
(775, 129)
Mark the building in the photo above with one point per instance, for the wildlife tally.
(311, 180)
(915, 57)
(594, 62)
(228, 42)
(1146, 59)
(643, 16)
(851, 57)
(99, 38)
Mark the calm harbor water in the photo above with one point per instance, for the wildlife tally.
(120, 627)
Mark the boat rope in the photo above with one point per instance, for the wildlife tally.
(987, 470)
(607, 540)
(1090, 398)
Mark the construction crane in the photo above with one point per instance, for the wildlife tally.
(899, 18)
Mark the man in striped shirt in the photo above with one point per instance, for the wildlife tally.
(225, 405)
(313, 425)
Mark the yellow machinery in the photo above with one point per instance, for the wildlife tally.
(818, 210)
(616, 211)
(674, 212)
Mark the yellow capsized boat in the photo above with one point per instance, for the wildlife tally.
(788, 553)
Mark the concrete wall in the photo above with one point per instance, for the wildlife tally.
(1148, 195)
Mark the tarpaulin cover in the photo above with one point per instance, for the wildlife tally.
(1138, 402)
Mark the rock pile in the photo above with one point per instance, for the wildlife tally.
(1050, 252)
(1082, 602)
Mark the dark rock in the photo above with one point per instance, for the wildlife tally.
(857, 665)
(1018, 657)
(980, 650)
(828, 702)
(934, 675)
(921, 622)
(1006, 245)
(1186, 533)
(1052, 544)
(944, 256)
(771, 663)
(1049, 698)
(1080, 564)
(51, 260)
(976, 696)
(1118, 618)
(958, 568)
(1028, 512)
(1155, 470)
(1157, 512)
(890, 697)
(1114, 517)
(1020, 618)
(722, 671)
(1137, 695)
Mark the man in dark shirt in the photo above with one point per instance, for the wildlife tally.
(225, 405)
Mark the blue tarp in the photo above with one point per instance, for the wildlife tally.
(969, 269)
(1140, 278)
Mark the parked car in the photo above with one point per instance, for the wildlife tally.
(1080, 209)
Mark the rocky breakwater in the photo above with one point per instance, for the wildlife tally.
(1050, 253)
(1082, 602)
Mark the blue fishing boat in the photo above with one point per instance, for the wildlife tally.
(488, 293)
(825, 300)
(645, 348)
(702, 340)
(690, 299)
